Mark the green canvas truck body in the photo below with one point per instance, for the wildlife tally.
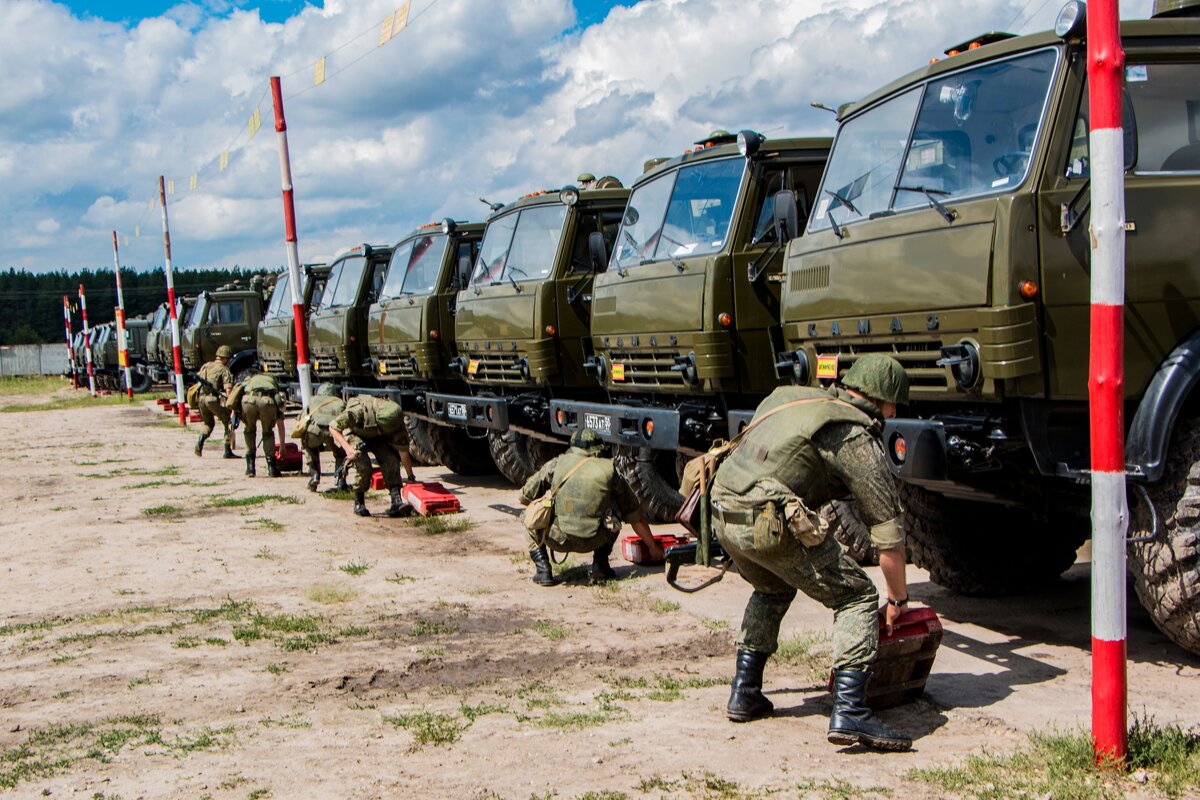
(337, 324)
(277, 330)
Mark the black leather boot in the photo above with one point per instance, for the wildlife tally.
(852, 721)
(199, 449)
(360, 504)
(746, 700)
(400, 506)
(250, 465)
(601, 571)
(229, 451)
(272, 467)
(314, 475)
(544, 575)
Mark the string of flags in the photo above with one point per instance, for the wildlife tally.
(320, 69)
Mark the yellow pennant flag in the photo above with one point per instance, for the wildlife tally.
(401, 21)
(150, 205)
(224, 160)
(171, 187)
(385, 30)
(192, 182)
(137, 231)
(319, 72)
(127, 241)
(255, 122)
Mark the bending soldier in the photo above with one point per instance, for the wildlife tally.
(827, 446)
(591, 501)
(323, 409)
(216, 383)
(373, 426)
(262, 401)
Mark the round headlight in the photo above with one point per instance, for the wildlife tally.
(448, 226)
(569, 195)
(1072, 20)
(748, 143)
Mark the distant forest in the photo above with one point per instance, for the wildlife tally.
(31, 303)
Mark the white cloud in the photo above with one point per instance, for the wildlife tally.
(48, 225)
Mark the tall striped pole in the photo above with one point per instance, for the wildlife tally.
(87, 343)
(176, 352)
(1106, 384)
(70, 350)
(122, 344)
(293, 256)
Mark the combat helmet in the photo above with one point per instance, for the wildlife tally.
(328, 389)
(224, 351)
(879, 377)
(587, 439)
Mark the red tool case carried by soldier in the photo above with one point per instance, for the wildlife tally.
(905, 658)
(430, 498)
(288, 457)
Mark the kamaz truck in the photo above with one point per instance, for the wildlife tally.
(106, 355)
(410, 334)
(951, 232)
(160, 361)
(522, 323)
(685, 321)
(277, 329)
(229, 316)
(337, 324)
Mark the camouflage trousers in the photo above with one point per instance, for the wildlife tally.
(317, 439)
(256, 409)
(386, 452)
(562, 542)
(211, 410)
(824, 572)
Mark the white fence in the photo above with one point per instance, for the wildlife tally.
(32, 359)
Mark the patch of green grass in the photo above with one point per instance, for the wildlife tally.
(431, 627)
(164, 510)
(34, 384)
(443, 523)
(578, 720)
(670, 689)
(216, 641)
(1061, 765)
(135, 682)
(473, 713)
(428, 727)
(337, 494)
(266, 524)
(536, 694)
(838, 789)
(267, 553)
(351, 631)
(294, 721)
(356, 567)
(309, 642)
(714, 624)
(278, 669)
(548, 630)
(479, 591)
(187, 642)
(661, 606)
(607, 794)
(810, 650)
(145, 485)
(68, 402)
(259, 794)
(332, 595)
(431, 652)
(63, 658)
(23, 627)
(252, 500)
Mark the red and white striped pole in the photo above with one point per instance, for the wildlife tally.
(1106, 384)
(122, 346)
(70, 350)
(293, 255)
(87, 343)
(176, 352)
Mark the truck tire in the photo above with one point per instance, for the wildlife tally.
(646, 471)
(850, 531)
(420, 449)
(1166, 571)
(140, 381)
(458, 451)
(510, 452)
(985, 550)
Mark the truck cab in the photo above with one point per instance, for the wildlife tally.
(277, 329)
(226, 316)
(337, 326)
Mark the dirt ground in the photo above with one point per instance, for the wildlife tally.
(286, 648)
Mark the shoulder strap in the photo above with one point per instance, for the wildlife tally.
(567, 477)
(735, 441)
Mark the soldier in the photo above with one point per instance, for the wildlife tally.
(376, 425)
(323, 409)
(591, 502)
(216, 381)
(828, 445)
(586, 180)
(262, 401)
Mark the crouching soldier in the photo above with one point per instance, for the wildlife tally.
(814, 445)
(591, 499)
(216, 381)
(262, 401)
(323, 409)
(373, 426)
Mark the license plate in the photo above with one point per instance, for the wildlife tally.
(473, 366)
(618, 372)
(456, 410)
(598, 422)
(827, 367)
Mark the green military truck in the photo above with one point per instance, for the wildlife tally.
(277, 329)
(521, 325)
(337, 324)
(160, 361)
(951, 232)
(227, 316)
(410, 334)
(685, 321)
(106, 355)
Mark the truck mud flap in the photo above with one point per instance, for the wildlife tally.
(635, 426)
(473, 412)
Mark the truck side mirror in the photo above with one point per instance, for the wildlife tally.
(787, 217)
(1129, 135)
(464, 270)
(597, 251)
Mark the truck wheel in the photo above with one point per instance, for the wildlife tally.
(646, 471)
(985, 549)
(510, 451)
(850, 531)
(141, 381)
(419, 447)
(1166, 571)
(458, 451)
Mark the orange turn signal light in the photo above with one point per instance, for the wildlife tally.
(560, 416)
(725, 318)
(434, 335)
(974, 46)
(952, 53)
(648, 428)
(551, 330)
(900, 449)
(1028, 289)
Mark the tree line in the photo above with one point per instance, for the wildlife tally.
(31, 303)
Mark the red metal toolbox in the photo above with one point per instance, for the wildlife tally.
(430, 498)
(901, 669)
(288, 457)
(633, 549)
(377, 481)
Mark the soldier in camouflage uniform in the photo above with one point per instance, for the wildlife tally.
(588, 509)
(371, 425)
(212, 399)
(323, 409)
(262, 401)
(827, 446)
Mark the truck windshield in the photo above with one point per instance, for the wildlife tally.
(280, 298)
(341, 289)
(520, 246)
(197, 312)
(683, 213)
(414, 267)
(160, 318)
(962, 135)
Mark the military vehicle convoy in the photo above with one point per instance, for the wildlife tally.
(277, 331)
(106, 355)
(337, 323)
(410, 335)
(159, 365)
(951, 232)
(229, 316)
(522, 323)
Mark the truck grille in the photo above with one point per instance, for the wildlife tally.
(273, 366)
(493, 367)
(918, 357)
(398, 366)
(647, 368)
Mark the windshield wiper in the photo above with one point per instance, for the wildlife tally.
(632, 243)
(674, 259)
(843, 201)
(513, 281)
(946, 213)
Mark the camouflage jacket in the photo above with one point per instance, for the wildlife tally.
(218, 375)
(583, 503)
